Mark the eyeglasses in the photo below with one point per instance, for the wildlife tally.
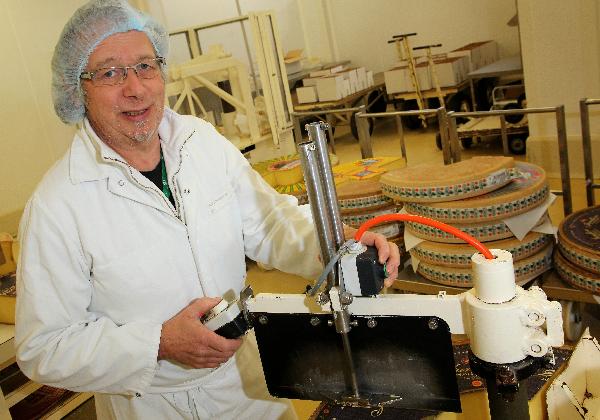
(110, 76)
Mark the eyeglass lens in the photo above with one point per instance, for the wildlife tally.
(147, 69)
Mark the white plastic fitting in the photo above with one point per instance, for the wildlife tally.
(494, 280)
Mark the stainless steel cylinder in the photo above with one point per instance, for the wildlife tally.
(316, 134)
(316, 199)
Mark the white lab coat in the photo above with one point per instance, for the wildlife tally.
(106, 259)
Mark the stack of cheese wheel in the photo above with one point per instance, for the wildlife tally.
(284, 174)
(360, 196)
(475, 196)
(360, 201)
(577, 259)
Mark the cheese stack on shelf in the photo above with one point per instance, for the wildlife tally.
(284, 174)
(360, 201)
(361, 198)
(577, 259)
(476, 196)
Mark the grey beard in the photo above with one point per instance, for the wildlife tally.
(143, 136)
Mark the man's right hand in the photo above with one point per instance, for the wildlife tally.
(186, 340)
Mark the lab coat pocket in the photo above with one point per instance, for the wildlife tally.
(221, 201)
(133, 283)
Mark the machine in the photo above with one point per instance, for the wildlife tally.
(345, 342)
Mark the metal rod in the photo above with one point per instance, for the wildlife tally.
(472, 89)
(504, 135)
(454, 143)
(325, 112)
(401, 113)
(497, 112)
(316, 199)
(500, 409)
(297, 130)
(247, 44)
(323, 201)
(316, 134)
(563, 155)
(350, 371)
(364, 137)
(586, 149)
(400, 129)
(329, 119)
(210, 25)
(444, 135)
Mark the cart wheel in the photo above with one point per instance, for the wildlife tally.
(459, 103)
(513, 119)
(380, 105)
(517, 145)
(522, 101)
(466, 142)
(483, 92)
(354, 128)
(412, 121)
(572, 319)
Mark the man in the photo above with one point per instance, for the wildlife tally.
(140, 229)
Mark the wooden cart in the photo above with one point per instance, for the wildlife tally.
(514, 136)
(373, 97)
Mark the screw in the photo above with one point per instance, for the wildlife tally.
(263, 319)
(322, 298)
(346, 298)
(314, 321)
(371, 323)
(433, 323)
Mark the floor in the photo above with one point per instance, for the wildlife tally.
(421, 148)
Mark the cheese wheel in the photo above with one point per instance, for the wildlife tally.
(355, 219)
(286, 172)
(366, 169)
(575, 275)
(579, 239)
(525, 270)
(527, 190)
(484, 232)
(459, 255)
(430, 183)
(358, 196)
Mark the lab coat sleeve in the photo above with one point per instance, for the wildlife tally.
(277, 231)
(58, 341)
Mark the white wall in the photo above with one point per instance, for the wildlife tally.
(31, 136)
(561, 61)
(362, 28)
(178, 14)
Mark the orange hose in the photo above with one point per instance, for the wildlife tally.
(425, 221)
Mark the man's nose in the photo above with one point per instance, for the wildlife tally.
(132, 84)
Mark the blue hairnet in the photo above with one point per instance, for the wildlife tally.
(89, 26)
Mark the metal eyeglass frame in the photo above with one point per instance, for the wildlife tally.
(89, 75)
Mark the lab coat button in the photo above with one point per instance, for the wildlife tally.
(121, 182)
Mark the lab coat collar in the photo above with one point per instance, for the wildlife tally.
(91, 159)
